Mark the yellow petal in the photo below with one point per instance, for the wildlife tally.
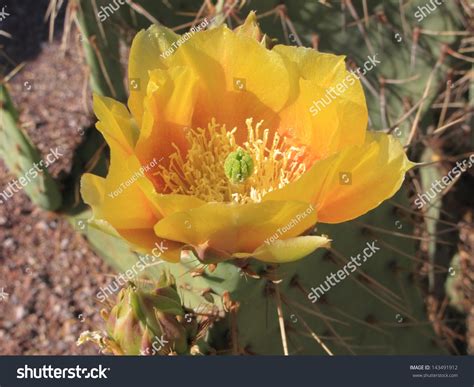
(133, 210)
(172, 203)
(236, 56)
(324, 79)
(132, 221)
(250, 27)
(146, 242)
(163, 205)
(352, 182)
(115, 123)
(321, 134)
(234, 71)
(169, 108)
(287, 250)
(234, 227)
(105, 196)
(222, 60)
(107, 218)
(145, 55)
(141, 236)
(119, 190)
(325, 69)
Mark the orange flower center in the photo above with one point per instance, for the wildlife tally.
(201, 171)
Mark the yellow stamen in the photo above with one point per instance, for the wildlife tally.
(200, 172)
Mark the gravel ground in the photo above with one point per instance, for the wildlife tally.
(51, 276)
(48, 270)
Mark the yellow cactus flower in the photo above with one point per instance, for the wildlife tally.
(220, 153)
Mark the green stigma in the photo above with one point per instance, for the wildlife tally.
(238, 166)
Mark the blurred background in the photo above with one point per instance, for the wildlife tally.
(422, 92)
